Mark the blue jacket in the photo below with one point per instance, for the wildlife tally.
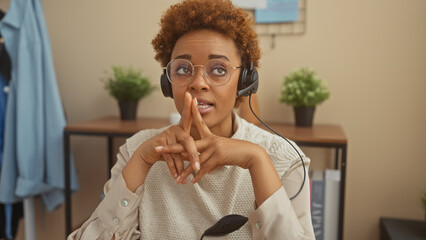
(33, 141)
(3, 102)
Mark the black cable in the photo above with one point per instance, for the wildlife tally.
(303, 163)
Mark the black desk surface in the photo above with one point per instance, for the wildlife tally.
(402, 229)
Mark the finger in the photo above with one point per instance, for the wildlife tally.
(191, 149)
(173, 148)
(201, 145)
(173, 171)
(179, 163)
(184, 156)
(206, 168)
(204, 157)
(176, 158)
(184, 174)
(187, 147)
(198, 120)
(186, 118)
(170, 164)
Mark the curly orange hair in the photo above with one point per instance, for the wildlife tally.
(217, 15)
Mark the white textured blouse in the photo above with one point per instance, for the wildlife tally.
(163, 209)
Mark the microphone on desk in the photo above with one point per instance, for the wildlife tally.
(225, 225)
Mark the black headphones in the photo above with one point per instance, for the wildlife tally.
(248, 82)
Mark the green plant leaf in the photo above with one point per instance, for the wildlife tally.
(128, 84)
(303, 88)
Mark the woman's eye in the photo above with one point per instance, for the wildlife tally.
(183, 70)
(218, 71)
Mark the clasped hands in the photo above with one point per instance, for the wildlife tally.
(175, 145)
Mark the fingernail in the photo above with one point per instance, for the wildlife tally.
(178, 179)
(176, 175)
(196, 101)
(158, 148)
(197, 166)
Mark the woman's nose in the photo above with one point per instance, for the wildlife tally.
(199, 83)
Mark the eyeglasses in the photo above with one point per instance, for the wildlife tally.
(217, 72)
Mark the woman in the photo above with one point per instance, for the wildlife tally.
(224, 164)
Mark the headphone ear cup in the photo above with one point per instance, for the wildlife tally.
(248, 82)
(254, 78)
(166, 86)
(242, 80)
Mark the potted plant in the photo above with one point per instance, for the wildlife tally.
(303, 89)
(128, 86)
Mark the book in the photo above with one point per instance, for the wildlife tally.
(317, 203)
(331, 203)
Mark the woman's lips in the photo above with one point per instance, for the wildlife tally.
(204, 106)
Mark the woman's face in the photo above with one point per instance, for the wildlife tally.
(215, 103)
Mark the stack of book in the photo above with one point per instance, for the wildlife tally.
(325, 186)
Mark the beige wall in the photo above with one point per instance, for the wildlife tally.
(372, 55)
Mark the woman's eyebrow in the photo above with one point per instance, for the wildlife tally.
(211, 56)
(215, 56)
(183, 56)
